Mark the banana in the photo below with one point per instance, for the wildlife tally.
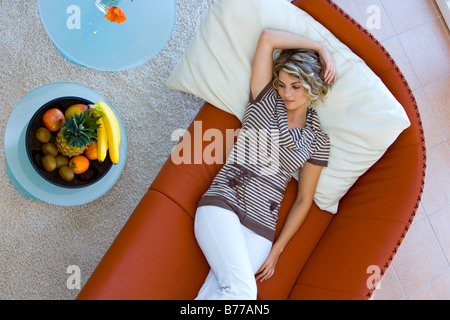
(112, 129)
(105, 107)
(102, 141)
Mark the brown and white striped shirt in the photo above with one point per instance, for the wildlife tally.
(253, 180)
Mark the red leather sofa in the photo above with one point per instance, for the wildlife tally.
(155, 256)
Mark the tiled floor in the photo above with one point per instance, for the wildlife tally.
(416, 35)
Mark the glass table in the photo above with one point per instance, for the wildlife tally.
(82, 34)
(22, 173)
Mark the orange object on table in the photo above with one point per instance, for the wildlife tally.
(115, 14)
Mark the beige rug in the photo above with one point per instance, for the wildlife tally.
(38, 241)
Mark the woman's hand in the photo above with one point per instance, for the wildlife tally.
(328, 64)
(268, 268)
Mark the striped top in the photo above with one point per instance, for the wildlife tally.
(253, 180)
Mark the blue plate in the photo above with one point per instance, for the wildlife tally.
(23, 174)
(82, 34)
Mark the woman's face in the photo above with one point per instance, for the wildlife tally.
(291, 91)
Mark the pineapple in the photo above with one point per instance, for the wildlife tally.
(77, 133)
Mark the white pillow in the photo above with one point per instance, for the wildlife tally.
(361, 116)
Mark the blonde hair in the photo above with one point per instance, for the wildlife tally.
(304, 65)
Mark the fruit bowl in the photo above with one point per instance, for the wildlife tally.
(34, 148)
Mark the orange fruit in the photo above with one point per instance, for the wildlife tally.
(91, 151)
(79, 164)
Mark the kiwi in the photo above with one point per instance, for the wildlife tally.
(43, 135)
(49, 163)
(61, 161)
(50, 148)
(66, 173)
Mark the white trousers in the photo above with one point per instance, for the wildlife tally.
(233, 252)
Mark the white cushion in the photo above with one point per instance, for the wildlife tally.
(360, 115)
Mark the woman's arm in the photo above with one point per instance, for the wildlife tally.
(270, 39)
(307, 183)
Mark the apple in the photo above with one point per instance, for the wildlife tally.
(75, 109)
(53, 119)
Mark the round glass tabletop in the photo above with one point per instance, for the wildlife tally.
(81, 32)
(23, 174)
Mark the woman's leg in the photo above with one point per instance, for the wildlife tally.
(258, 248)
(209, 288)
(233, 252)
(220, 237)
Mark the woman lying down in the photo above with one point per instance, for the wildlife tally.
(236, 218)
